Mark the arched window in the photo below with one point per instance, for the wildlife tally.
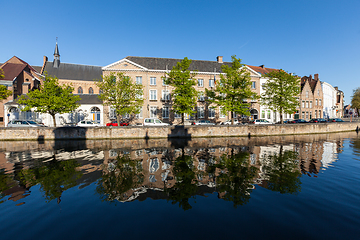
(91, 90)
(96, 115)
(80, 90)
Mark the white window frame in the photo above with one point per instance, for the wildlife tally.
(201, 112)
(211, 82)
(165, 112)
(200, 82)
(151, 95)
(153, 111)
(152, 81)
(140, 114)
(139, 80)
(201, 96)
(211, 111)
(253, 85)
(165, 95)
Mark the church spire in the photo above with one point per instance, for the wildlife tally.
(56, 62)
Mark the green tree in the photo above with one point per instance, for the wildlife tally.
(281, 92)
(355, 100)
(233, 88)
(120, 177)
(236, 177)
(184, 93)
(51, 98)
(4, 92)
(121, 93)
(282, 172)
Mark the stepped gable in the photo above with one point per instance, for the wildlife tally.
(168, 63)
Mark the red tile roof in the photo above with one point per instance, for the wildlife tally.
(262, 70)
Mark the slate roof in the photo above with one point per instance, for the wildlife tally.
(73, 71)
(169, 63)
(89, 99)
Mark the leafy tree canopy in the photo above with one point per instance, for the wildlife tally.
(4, 92)
(233, 89)
(121, 93)
(281, 92)
(184, 93)
(51, 98)
(355, 99)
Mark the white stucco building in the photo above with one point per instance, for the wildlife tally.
(329, 100)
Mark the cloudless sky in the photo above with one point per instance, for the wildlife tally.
(300, 36)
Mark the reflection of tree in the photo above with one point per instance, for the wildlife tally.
(120, 176)
(282, 172)
(355, 143)
(235, 178)
(54, 177)
(6, 182)
(185, 186)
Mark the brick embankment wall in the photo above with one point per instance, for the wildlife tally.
(141, 132)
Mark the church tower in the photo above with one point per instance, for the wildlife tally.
(56, 63)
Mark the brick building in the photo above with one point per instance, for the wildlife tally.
(311, 98)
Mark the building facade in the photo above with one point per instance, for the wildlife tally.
(311, 98)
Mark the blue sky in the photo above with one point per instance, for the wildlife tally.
(303, 37)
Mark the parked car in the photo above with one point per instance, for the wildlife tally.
(154, 122)
(115, 124)
(335, 120)
(260, 121)
(202, 122)
(20, 123)
(228, 122)
(299, 121)
(88, 123)
(318, 120)
(285, 121)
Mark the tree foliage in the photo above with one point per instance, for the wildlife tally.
(281, 92)
(51, 98)
(4, 92)
(233, 88)
(355, 99)
(121, 93)
(184, 93)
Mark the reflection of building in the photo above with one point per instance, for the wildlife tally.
(329, 154)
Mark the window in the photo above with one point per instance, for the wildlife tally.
(165, 112)
(221, 114)
(318, 92)
(263, 114)
(211, 112)
(153, 112)
(307, 115)
(253, 85)
(310, 104)
(211, 83)
(201, 112)
(177, 115)
(200, 82)
(310, 115)
(80, 90)
(201, 96)
(91, 90)
(315, 113)
(152, 94)
(303, 115)
(140, 114)
(319, 113)
(164, 82)
(268, 114)
(316, 102)
(319, 102)
(307, 94)
(139, 80)
(307, 104)
(165, 95)
(152, 80)
(303, 104)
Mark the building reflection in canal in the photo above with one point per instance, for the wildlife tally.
(128, 170)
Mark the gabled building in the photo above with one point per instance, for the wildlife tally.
(20, 78)
(311, 98)
(158, 103)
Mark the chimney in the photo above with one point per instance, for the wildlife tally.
(316, 76)
(44, 63)
(262, 66)
(220, 59)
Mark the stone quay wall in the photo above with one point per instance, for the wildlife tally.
(142, 132)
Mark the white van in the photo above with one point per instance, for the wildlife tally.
(154, 122)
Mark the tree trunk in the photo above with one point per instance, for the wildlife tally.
(232, 117)
(118, 119)
(182, 118)
(54, 120)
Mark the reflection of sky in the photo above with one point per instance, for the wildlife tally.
(329, 155)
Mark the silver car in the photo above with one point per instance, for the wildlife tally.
(21, 123)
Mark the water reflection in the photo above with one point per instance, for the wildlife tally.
(128, 170)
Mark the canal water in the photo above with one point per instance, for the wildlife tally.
(290, 187)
